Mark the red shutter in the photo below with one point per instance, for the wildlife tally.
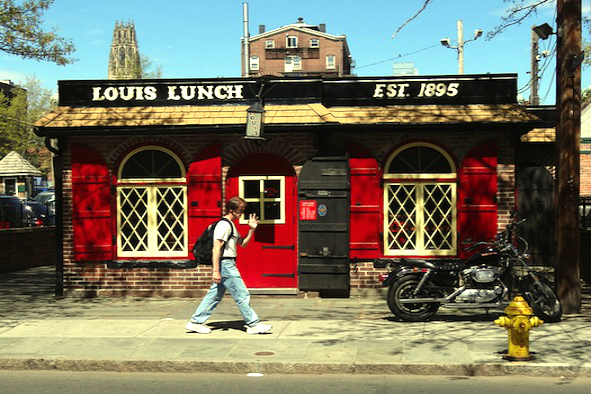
(477, 194)
(366, 194)
(204, 194)
(91, 205)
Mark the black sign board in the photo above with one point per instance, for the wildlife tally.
(468, 89)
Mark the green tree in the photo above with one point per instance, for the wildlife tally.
(17, 116)
(21, 33)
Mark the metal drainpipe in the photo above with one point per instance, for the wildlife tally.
(59, 228)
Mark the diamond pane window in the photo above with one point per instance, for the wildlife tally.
(419, 209)
(152, 217)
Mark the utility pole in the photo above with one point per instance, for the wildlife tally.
(534, 98)
(568, 136)
(461, 43)
(460, 47)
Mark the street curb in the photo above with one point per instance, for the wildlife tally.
(295, 368)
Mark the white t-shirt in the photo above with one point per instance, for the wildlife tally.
(222, 232)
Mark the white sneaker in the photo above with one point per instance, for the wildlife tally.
(260, 328)
(198, 328)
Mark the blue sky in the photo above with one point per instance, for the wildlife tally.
(201, 39)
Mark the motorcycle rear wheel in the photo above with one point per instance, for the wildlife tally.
(404, 288)
(543, 301)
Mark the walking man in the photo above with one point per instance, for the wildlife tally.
(225, 274)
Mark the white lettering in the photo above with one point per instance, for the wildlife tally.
(150, 92)
(96, 94)
(111, 93)
(234, 91)
(186, 95)
(126, 92)
(218, 92)
(379, 92)
(172, 93)
(206, 91)
(401, 89)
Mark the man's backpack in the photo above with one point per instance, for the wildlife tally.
(202, 249)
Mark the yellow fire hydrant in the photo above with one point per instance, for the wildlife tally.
(519, 323)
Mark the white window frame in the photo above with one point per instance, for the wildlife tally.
(291, 41)
(152, 186)
(254, 63)
(262, 199)
(269, 44)
(293, 63)
(421, 181)
(152, 221)
(420, 220)
(331, 62)
(314, 43)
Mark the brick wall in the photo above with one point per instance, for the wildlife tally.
(26, 248)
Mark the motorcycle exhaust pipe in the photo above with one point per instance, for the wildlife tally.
(445, 300)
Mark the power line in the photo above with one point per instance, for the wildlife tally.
(398, 57)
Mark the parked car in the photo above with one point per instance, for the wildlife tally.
(42, 208)
(45, 197)
(10, 212)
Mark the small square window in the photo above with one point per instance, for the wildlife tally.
(265, 198)
(314, 43)
(269, 44)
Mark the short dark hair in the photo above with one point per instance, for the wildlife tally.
(234, 203)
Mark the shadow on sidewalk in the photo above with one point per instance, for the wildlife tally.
(27, 285)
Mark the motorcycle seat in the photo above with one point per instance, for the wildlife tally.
(418, 263)
(438, 265)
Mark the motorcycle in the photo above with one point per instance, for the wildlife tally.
(418, 287)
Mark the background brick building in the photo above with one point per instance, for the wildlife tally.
(298, 49)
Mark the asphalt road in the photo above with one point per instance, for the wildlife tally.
(42, 382)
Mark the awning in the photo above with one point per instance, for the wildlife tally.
(74, 120)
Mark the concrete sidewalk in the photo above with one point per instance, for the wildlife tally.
(310, 335)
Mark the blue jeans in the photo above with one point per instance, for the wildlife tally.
(232, 281)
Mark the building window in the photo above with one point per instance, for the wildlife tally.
(314, 43)
(293, 63)
(269, 44)
(330, 62)
(420, 202)
(291, 42)
(151, 205)
(254, 63)
(265, 196)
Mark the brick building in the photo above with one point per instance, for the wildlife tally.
(298, 49)
(349, 170)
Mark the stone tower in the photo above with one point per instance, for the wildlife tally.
(124, 59)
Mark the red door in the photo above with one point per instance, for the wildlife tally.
(267, 183)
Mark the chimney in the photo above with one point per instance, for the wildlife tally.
(322, 27)
(261, 29)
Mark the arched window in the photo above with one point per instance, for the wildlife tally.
(420, 202)
(151, 204)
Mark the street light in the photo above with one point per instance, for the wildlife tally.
(255, 117)
(543, 31)
(460, 48)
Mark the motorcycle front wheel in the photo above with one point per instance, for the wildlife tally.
(404, 288)
(543, 301)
